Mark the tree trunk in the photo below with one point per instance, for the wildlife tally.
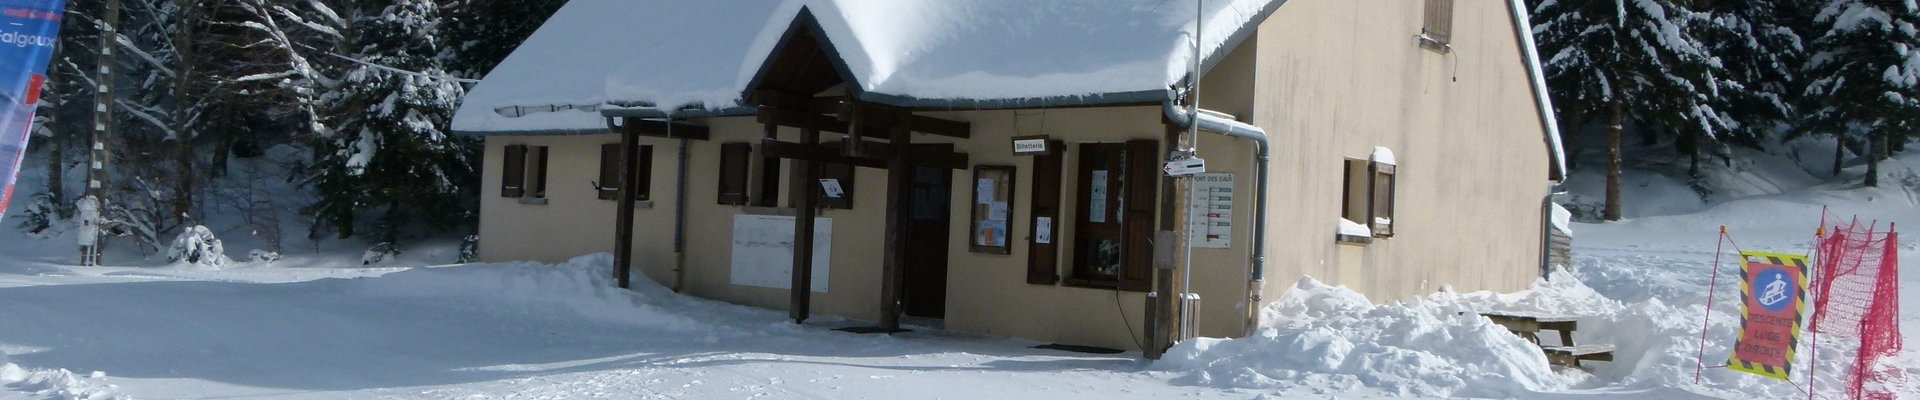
(56, 168)
(1612, 212)
(1839, 152)
(1876, 144)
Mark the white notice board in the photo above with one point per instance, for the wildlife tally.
(1210, 211)
(763, 251)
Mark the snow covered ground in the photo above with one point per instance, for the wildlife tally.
(318, 325)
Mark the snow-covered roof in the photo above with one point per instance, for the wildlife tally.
(670, 54)
(1523, 28)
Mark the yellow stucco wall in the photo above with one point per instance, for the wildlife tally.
(1334, 79)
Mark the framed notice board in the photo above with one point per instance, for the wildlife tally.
(992, 202)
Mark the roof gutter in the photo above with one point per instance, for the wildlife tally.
(1235, 129)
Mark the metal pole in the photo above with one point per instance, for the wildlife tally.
(1699, 361)
(1189, 147)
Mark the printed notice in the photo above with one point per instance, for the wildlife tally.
(1210, 211)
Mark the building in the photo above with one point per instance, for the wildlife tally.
(998, 165)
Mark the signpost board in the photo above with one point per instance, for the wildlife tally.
(1773, 293)
(28, 31)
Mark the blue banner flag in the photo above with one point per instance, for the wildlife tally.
(28, 31)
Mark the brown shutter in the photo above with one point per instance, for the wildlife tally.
(513, 171)
(1354, 191)
(540, 179)
(1043, 259)
(608, 185)
(1438, 24)
(1382, 196)
(1142, 191)
(734, 160)
(643, 191)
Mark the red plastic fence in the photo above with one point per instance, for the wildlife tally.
(1858, 299)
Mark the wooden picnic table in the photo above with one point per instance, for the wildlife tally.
(1529, 325)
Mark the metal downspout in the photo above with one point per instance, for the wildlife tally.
(1257, 274)
(680, 222)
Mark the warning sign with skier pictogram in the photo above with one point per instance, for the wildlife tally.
(1773, 290)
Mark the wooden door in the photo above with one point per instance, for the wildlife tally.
(925, 281)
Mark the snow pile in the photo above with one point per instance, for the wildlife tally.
(197, 246)
(1438, 346)
(55, 384)
(583, 285)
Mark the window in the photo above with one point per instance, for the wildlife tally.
(608, 187)
(1436, 32)
(1369, 195)
(734, 165)
(1113, 217)
(523, 177)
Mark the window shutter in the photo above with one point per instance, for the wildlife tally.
(513, 171)
(1043, 259)
(609, 182)
(734, 160)
(1354, 194)
(1142, 191)
(1382, 193)
(643, 189)
(1438, 24)
(540, 178)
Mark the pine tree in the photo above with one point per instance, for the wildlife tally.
(391, 149)
(1611, 60)
(481, 33)
(1760, 50)
(1865, 57)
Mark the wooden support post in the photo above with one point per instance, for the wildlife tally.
(899, 177)
(805, 201)
(623, 209)
(1160, 308)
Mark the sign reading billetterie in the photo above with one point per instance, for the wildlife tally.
(28, 31)
(1773, 293)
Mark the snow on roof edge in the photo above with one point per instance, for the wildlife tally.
(1523, 29)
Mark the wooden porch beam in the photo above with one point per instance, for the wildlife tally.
(805, 201)
(877, 116)
(623, 224)
(876, 155)
(899, 178)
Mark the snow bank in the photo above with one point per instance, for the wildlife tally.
(1438, 346)
(55, 384)
(583, 286)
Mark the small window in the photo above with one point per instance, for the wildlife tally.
(608, 186)
(1436, 32)
(1368, 195)
(524, 172)
(734, 165)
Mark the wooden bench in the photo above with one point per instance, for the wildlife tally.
(1529, 325)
